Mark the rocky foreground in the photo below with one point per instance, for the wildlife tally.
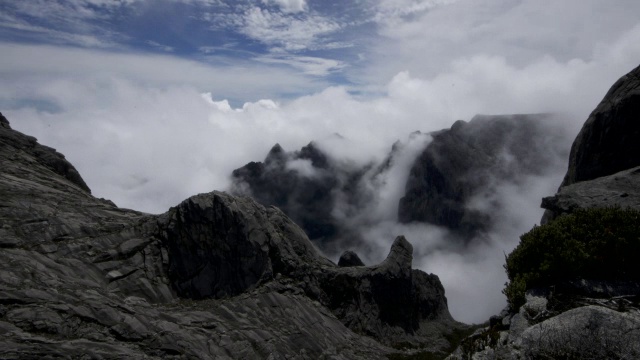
(215, 277)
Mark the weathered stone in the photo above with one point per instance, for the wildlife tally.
(215, 276)
(585, 332)
(608, 141)
(618, 190)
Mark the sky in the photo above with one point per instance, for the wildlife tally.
(155, 101)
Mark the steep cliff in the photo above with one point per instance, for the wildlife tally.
(607, 146)
(471, 160)
(215, 277)
(608, 141)
(450, 180)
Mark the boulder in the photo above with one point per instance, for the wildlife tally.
(349, 258)
(608, 141)
(607, 146)
(621, 189)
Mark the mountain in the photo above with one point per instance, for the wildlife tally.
(303, 192)
(597, 315)
(450, 181)
(470, 161)
(216, 276)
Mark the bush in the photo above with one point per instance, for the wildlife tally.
(599, 244)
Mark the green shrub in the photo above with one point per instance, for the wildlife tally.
(599, 244)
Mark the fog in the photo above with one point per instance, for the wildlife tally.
(148, 131)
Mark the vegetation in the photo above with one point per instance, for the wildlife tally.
(599, 244)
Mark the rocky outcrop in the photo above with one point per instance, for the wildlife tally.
(593, 328)
(221, 246)
(43, 155)
(215, 277)
(602, 155)
(608, 141)
(304, 193)
(621, 189)
(469, 161)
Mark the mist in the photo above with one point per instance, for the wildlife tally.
(149, 130)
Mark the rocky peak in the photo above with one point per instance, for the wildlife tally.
(276, 155)
(349, 258)
(470, 160)
(608, 141)
(4, 122)
(311, 152)
(400, 257)
(22, 145)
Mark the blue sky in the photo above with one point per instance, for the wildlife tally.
(156, 100)
(319, 38)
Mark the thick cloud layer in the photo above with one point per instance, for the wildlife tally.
(148, 131)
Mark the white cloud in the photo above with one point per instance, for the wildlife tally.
(302, 167)
(289, 6)
(283, 31)
(307, 64)
(521, 32)
(159, 46)
(237, 81)
(392, 12)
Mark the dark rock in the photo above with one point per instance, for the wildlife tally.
(4, 122)
(470, 160)
(349, 258)
(363, 299)
(306, 198)
(608, 142)
(215, 277)
(618, 190)
(13, 141)
(225, 260)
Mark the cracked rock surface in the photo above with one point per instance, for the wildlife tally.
(216, 277)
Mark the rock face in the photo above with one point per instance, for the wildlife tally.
(215, 277)
(300, 183)
(603, 153)
(469, 160)
(621, 189)
(608, 142)
(451, 183)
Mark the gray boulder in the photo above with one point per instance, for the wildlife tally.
(608, 141)
(621, 189)
(592, 331)
(607, 146)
